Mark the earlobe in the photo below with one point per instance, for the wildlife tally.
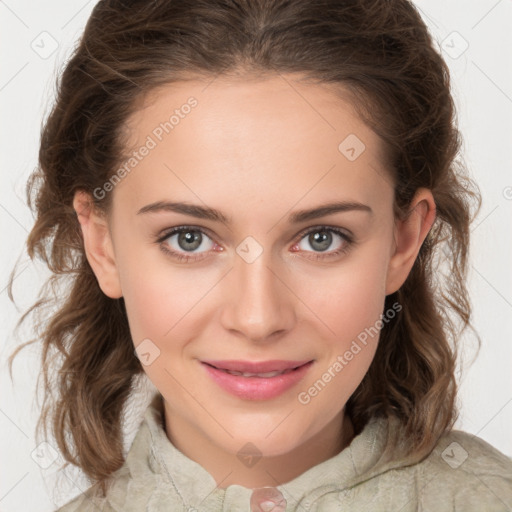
(98, 245)
(409, 236)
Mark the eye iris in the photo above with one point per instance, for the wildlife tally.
(188, 238)
(323, 238)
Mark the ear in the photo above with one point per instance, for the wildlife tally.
(409, 235)
(98, 244)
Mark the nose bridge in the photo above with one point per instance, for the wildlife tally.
(259, 304)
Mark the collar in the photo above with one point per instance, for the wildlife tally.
(365, 458)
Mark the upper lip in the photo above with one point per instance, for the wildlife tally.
(256, 367)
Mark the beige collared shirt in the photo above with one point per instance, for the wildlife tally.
(463, 473)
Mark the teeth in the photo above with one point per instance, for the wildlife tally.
(262, 375)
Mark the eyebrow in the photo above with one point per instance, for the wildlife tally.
(202, 212)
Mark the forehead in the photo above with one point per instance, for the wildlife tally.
(256, 136)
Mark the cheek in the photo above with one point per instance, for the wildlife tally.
(349, 304)
(349, 316)
(159, 305)
(350, 298)
(159, 297)
(160, 311)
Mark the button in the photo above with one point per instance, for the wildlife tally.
(267, 499)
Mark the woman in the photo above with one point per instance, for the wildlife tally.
(250, 199)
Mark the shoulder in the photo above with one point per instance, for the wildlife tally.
(460, 454)
(467, 473)
(462, 473)
(85, 502)
(92, 500)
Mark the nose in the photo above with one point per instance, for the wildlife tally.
(258, 303)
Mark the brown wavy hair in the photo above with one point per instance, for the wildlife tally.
(381, 53)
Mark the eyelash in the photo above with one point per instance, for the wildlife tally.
(348, 242)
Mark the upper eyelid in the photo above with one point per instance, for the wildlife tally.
(319, 227)
(166, 233)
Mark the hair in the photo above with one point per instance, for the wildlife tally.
(378, 51)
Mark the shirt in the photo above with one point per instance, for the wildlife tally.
(462, 473)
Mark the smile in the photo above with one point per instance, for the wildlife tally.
(257, 384)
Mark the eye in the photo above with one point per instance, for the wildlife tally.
(186, 243)
(320, 239)
(189, 243)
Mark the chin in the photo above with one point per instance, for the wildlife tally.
(262, 443)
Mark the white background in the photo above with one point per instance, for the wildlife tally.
(482, 82)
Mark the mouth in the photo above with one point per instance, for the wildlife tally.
(256, 381)
(264, 369)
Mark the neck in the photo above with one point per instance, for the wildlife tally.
(228, 469)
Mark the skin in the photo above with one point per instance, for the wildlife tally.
(258, 151)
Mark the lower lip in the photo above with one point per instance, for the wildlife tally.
(257, 388)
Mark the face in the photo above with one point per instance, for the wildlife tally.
(224, 250)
